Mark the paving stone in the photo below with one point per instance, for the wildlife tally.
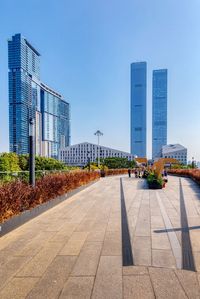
(53, 280)
(9, 269)
(35, 245)
(163, 258)
(157, 222)
(108, 283)
(18, 288)
(77, 288)
(85, 225)
(88, 259)
(137, 286)
(166, 285)
(10, 238)
(175, 245)
(64, 233)
(96, 236)
(189, 282)
(196, 256)
(38, 264)
(142, 251)
(160, 241)
(142, 256)
(135, 270)
(5, 256)
(114, 224)
(112, 244)
(143, 222)
(75, 243)
(195, 239)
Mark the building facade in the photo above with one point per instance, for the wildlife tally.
(159, 112)
(176, 151)
(79, 154)
(138, 108)
(30, 98)
(24, 73)
(55, 122)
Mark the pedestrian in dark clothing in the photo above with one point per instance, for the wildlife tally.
(129, 172)
(165, 176)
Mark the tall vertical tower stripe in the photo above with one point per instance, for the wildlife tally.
(159, 118)
(138, 108)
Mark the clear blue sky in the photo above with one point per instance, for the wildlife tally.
(87, 48)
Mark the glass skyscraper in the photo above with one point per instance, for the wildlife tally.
(24, 73)
(159, 118)
(138, 108)
(55, 122)
(30, 98)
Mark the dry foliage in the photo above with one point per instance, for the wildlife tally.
(192, 173)
(18, 196)
(116, 171)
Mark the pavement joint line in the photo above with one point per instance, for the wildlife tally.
(127, 255)
(187, 254)
(175, 245)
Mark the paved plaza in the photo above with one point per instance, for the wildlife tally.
(78, 248)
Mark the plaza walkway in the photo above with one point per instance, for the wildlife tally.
(82, 249)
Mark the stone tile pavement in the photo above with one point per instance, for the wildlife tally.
(74, 250)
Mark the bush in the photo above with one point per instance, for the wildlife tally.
(118, 163)
(18, 196)
(115, 171)
(191, 173)
(154, 182)
(16, 166)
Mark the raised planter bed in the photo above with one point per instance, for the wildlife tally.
(155, 185)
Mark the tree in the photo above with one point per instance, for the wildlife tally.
(24, 162)
(116, 163)
(43, 163)
(9, 162)
(13, 162)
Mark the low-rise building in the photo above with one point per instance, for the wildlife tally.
(176, 151)
(80, 154)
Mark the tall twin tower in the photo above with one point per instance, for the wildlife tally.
(139, 110)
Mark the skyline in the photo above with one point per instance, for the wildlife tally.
(90, 58)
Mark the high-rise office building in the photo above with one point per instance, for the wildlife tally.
(55, 122)
(159, 117)
(138, 108)
(24, 72)
(30, 98)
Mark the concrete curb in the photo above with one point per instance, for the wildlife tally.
(27, 215)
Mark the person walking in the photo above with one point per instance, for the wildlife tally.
(129, 172)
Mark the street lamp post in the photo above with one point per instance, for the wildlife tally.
(88, 159)
(98, 134)
(31, 153)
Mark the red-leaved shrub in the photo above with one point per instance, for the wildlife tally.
(191, 173)
(18, 196)
(116, 171)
